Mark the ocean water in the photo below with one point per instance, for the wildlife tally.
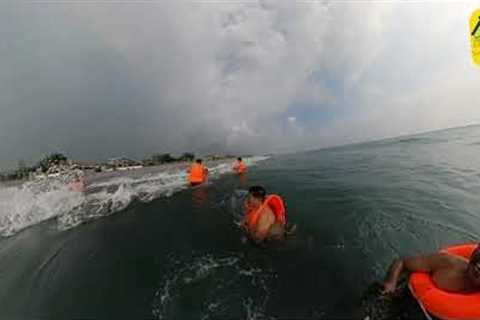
(143, 246)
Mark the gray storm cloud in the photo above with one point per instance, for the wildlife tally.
(106, 78)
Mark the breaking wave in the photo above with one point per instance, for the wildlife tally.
(35, 201)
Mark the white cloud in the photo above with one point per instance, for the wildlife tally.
(196, 75)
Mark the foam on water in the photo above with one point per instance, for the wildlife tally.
(32, 202)
(223, 286)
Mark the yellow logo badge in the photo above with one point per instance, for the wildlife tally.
(475, 36)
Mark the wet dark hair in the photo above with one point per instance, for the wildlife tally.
(198, 161)
(257, 192)
(239, 158)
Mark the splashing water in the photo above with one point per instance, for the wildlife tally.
(35, 201)
(222, 286)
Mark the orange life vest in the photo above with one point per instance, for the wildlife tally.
(197, 173)
(275, 203)
(240, 167)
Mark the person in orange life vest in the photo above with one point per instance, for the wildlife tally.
(449, 272)
(265, 218)
(239, 167)
(197, 173)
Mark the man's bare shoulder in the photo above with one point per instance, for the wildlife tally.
(431, 262)
(453, 260)
(268, 209)
(267, 214)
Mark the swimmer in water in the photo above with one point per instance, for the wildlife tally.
(265, 217)
(449, 272)
(197, 173)
(78, 184)
(239, 167)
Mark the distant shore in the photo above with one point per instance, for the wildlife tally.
(92, 175)
(58, 164)
(166, 167)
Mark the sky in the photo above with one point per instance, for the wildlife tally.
(98, 79)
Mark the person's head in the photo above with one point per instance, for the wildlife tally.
(199, 161)
(256, 196)
(474, 267)
(78, 176)
(239, 159)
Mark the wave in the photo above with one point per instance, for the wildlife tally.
(410, 140)
(36, 201)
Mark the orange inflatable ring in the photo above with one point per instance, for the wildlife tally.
(442, 304)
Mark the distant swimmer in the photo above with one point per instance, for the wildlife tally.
(449, 272)
(197, 173)
(265, 217)
(240, 167)
(78, 184)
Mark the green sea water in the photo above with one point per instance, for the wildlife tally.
(183, 256)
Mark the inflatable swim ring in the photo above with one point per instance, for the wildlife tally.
(441, 304)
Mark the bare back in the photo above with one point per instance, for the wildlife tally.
(451, 274)
(448, 271)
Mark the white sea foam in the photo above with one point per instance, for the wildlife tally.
(30, 203)
(229, 284)
(33, 202)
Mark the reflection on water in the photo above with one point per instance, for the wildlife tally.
(199, 195)
(243, 180)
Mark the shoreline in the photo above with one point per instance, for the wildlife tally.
(92, 176)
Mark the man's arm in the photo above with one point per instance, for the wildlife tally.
(246, 208)
(427, 263)
(263, 226)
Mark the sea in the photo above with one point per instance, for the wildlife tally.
(144, 245)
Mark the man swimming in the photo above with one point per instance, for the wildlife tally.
(197, 173)
(78, 184)
(265, 217)
(449, 272)
(239, 167)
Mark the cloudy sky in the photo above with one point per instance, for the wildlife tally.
(104, 78)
